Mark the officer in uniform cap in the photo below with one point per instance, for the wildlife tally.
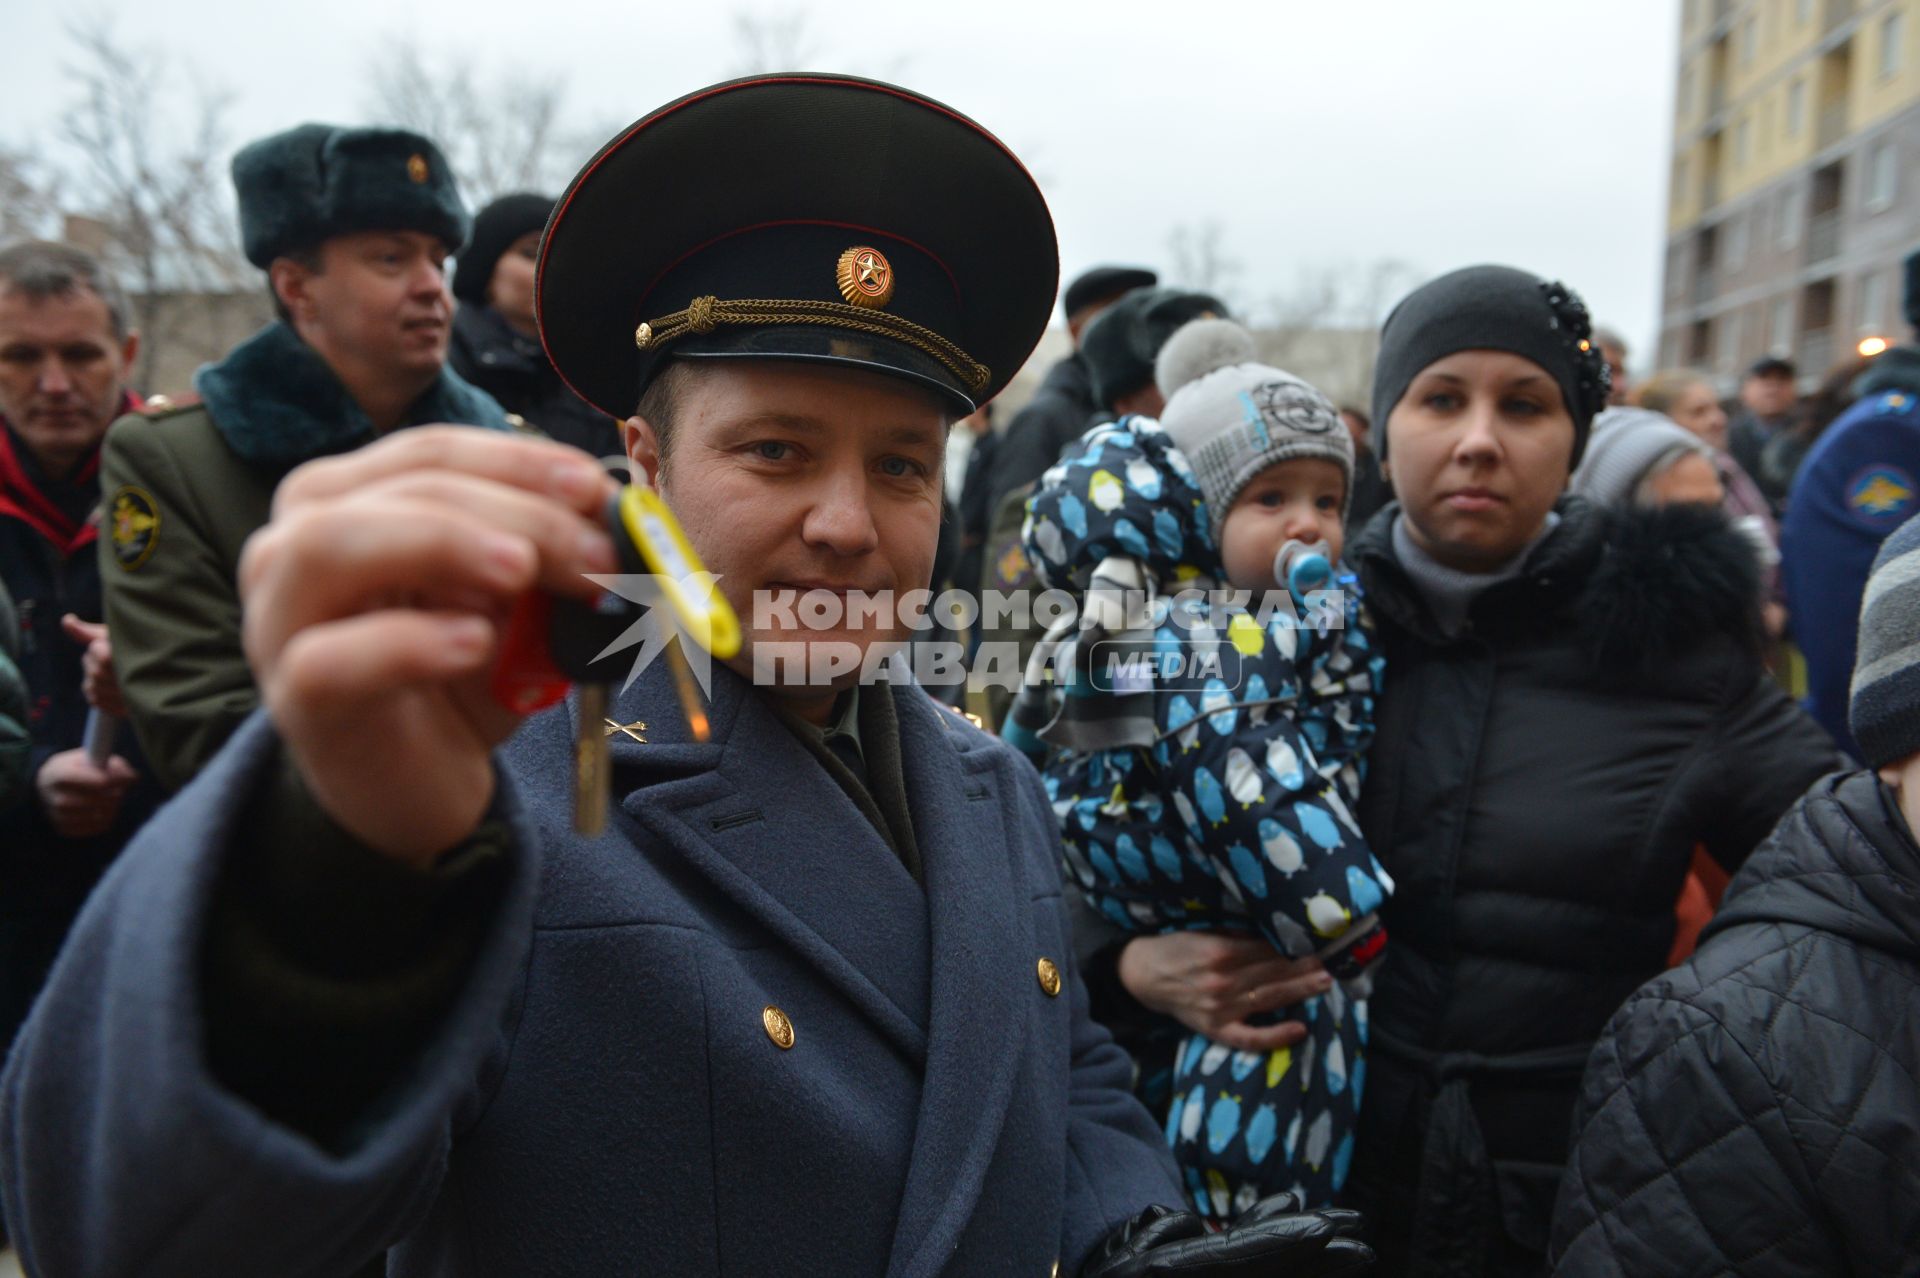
(808, 1006)
(1859, 482)
(353, 227)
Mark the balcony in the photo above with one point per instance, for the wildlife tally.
(1823, 237)
(1833, 125)
(1705, 284)
(1816, 350)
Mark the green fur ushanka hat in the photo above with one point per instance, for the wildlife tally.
(317, 181)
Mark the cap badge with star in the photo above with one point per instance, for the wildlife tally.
(865, 277)
(839, 221)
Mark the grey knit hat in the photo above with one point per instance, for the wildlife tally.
(1627, 446)
(1885, 707)
(1233, 416)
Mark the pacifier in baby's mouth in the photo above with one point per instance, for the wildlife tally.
(1304, 567)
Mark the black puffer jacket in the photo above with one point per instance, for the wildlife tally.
(1059, 413)
(514, 370)
(1537, 789)
(1757, 1111)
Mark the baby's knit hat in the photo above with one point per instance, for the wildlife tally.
(1884, 710)
(1628, 445)
(1233, 416)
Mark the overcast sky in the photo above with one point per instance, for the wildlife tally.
(1315, 134)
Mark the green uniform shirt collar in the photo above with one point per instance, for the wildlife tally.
(277, 403)
(842, 733)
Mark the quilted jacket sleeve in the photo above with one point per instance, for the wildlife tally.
(1274, 831)
(1687, 1162)
(1765, 755)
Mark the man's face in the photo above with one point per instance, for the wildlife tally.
(804, 483)
(63, 374)
(511, 288)
(1768, 396)
(379, 302)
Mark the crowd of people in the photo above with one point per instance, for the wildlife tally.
(1534, 890)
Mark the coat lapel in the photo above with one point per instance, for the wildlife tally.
(757, 815)
(982, 943)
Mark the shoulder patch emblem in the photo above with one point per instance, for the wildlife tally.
(135, 526)
(1882, 495)
(1013, 565)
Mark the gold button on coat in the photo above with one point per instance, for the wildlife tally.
(1050, 977)
(779, 1028)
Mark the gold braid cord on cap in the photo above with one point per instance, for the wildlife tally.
(709, 313)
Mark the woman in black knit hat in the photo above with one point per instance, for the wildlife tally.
(1574, 699)
(496, 343)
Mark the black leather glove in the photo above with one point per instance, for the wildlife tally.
(1271, 1240)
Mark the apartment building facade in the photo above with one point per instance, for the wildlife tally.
(1795, 187)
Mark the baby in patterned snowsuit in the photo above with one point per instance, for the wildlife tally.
(1212, 785)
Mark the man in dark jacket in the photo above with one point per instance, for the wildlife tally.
(1757, 1111)
(353, 228)
(1058, 412)
(496, 339)
(1859, 483)
(1767, 398)
(65, 350)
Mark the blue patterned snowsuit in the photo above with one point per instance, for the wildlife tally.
(1230, 811)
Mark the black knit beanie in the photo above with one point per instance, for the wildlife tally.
(1493, 308)
(494, 231)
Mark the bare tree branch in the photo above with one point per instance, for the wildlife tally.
(29, 196)
(501, 133)
(1200, 260)
(771, 42)
(166, 211)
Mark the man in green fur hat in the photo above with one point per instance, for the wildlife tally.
(353, 228)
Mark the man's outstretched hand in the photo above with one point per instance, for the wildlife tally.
(1272, 1240)
(375, 599)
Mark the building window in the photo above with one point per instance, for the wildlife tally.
(1873, 303)
(1797, 109)
(1786, 222)
(1893, 34)
(1748, 38)
(1783, 326)
(1803, 12)
(1683, 101)
(1883, 176)
(1743, 142)
(1735, 234)
(1730, 340)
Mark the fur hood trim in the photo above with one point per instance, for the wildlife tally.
(277, 403)
(1668, 577)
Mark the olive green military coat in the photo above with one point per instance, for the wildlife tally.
(185, 486)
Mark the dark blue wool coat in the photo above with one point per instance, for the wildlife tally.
(603, 1097)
